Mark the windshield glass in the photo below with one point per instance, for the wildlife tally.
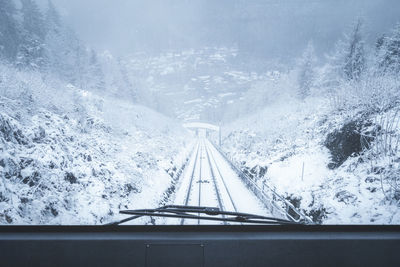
(256, 111)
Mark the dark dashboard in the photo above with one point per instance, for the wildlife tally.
(232, 245)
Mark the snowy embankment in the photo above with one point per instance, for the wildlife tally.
(81, 158)
(343, 181)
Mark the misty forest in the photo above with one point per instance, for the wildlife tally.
(111, 105)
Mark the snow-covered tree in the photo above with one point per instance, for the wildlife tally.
(55, 41)
(30, 54)
(117, 77)
(95, 79)
(31, 50)
(81, 59)
(62, 47)
(389, 53)
(306, 74)
(379, 43)
(348, 60)
(354, 61)
(33, 21)
(9, 37)
(74, 57)
(126, 82)
(52, 18)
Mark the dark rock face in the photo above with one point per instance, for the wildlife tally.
(70, 177)
(10, 132)
(128, 188)
(12, 168)
(40, 134)
(345, 142)
(317, 215)
(32, 180)
(346, 197)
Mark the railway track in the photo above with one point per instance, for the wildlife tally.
(209, 181)
(222, 181)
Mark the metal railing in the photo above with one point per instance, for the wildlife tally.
(275, 203)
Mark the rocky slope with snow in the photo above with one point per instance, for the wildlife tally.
(82, 159)
(326, 162)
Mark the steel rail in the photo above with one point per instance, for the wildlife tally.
(200, 181)
(191, 178)
(223, 181)
(221, 206)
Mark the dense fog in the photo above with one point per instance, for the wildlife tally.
(267, 28)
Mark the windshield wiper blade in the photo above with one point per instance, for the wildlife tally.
(202, 213)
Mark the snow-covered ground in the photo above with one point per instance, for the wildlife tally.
(82, 159)
(285, 145)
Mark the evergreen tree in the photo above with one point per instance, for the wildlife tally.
(306, 71)
(348, 59)
(380, 43)
(389, 56)
(52, 18)
(354, 61)
(9, 37)
(126, 85)
(31, 50)
(80, 59)
(55, 48)
(117, 78)
(89, 72)
(96, 75)
(33, 21)
(74, 59)
(65, 55)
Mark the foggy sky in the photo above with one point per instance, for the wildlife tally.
(266, 28)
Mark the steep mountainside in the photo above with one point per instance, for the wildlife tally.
(82, 159)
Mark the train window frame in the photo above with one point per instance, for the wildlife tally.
(250, 245)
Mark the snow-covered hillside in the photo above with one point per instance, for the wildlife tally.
(328, 162)
(328, 135)
(81, 159)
